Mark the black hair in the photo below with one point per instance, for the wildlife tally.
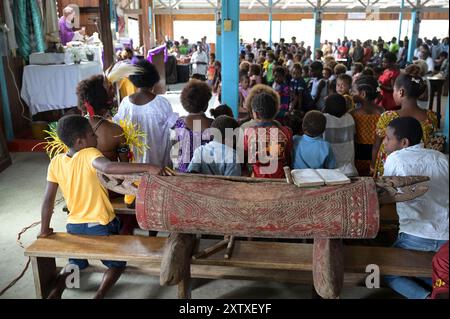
(279, 70)
(148, 78)
(443, 54)
(71, 127)
(316, 66)
(390, 57)
(224, 122)
(411, 81)
(255, 69)
(359, 67)
(314, 123)
(294, 122)
(345, 77)
(221, 110)
(368, 84)
(265, 106)
(336, 105)
(195, 96)
(94, 91)
(407, 127)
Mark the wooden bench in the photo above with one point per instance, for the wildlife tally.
(254, 260)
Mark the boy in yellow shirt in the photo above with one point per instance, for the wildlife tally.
(91, 212)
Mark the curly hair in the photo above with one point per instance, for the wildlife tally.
(340, 69)
(148, 78)
(258, 89)
(314, 123)
(97, 92)
(369, 85)
(411, 81)
(265, 106)
(195, 96)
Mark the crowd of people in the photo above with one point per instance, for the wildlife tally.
(350, 107)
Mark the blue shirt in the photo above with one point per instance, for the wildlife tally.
(215, 158)
(312, 152)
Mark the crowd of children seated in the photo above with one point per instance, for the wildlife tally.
(362, 118)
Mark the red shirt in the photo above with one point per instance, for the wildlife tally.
(268, 147)
(386, 79)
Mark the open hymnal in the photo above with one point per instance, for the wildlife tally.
(316, 177)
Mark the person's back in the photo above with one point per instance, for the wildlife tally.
(95, 101)
(152, 114)
(268, 145)
(192, 130)
(218, 156)
(340, 133)
(310, 150)
(424, 220)
(427, 215)
(87, 200)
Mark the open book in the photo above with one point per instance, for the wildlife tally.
(316, 177)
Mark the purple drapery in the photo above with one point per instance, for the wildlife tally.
(156, 51)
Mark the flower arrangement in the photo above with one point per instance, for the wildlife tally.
(90, 54)
(75, 54)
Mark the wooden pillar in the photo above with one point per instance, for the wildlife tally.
(328, 267)
(106, 35)
(146, 6)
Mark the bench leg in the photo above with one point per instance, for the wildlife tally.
(184, 286)
(44, 273)
(176, 261)
(328, 267)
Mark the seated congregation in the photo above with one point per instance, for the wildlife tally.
(307, 114)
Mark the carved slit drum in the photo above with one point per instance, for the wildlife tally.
(199, 205)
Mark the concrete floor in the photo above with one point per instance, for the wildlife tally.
(21, 191)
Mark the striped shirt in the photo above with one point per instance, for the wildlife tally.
(340, 133)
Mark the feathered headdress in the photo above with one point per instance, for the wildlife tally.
(118, 72)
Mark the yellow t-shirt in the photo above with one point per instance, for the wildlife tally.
(86, 199)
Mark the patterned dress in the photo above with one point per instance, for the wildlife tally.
(365, 138)
(428, 127)
(188, 142)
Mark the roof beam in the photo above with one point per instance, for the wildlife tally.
(279, 10)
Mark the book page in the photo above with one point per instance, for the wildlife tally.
(333, 176)
(306, 177)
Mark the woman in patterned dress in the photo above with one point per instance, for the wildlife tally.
(366, 117)
(408, 87)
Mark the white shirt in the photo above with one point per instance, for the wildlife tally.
(199, 68)
(155, 119)
(427, 215)
(430, 64)
(215, 158)
(340, 133)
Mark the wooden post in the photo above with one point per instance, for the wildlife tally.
(106, 36)
(176, 263)
(44, 273)
(145, 5)
(328, 267)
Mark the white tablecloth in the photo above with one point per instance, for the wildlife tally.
(53, 87)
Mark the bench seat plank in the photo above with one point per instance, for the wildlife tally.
(125, 248)
(246, 254)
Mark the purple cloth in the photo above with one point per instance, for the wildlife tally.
(65, 33)
(188, 143)
(157, 51)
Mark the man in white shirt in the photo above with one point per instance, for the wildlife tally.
(423, 221)
(199, 62)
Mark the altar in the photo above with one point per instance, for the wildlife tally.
(53, 87)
